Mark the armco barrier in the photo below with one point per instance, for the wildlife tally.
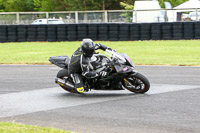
(101, 32)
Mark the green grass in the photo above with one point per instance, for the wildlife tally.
(184, 52)
(7, 127)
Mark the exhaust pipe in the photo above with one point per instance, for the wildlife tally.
(64, 84)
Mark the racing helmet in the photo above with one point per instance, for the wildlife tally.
(88, 47)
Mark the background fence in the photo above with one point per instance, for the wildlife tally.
(101, 31)
(119, 16)
(67, 17)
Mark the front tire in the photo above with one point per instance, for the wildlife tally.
(63, 74)
(137, 83)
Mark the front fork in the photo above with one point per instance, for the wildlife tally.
(132, 73)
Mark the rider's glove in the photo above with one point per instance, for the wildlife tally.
(100, 46)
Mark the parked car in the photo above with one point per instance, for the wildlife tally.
(185, 17)
(48, 21)
(194, 16)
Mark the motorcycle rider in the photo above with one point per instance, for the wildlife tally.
(80, 63)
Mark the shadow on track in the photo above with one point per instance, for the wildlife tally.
(101, 94)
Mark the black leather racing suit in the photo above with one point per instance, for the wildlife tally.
(80, 64)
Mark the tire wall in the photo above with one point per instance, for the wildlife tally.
(101, 32)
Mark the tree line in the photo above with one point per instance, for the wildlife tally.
(70, 5)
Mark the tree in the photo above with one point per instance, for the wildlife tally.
(126, 6)
(48, 5)
(2, 7)
(128, 15)
(83, 5)
(70, 5)
(17, 5)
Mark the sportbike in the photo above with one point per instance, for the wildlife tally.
(121, 74)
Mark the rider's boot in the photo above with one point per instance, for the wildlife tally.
(78, 82)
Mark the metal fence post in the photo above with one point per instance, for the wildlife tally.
(196, 15)
(166, 18)
(133, 16)
(136, 16)
(106, 16)
(85, 18)
(17, 17)
(76, 16)
(47, 17)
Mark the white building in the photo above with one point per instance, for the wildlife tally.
(140, 15)
(188, 6)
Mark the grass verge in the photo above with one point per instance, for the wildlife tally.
(7, 127)
(184, 52)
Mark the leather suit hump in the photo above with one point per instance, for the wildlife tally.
(75, 66)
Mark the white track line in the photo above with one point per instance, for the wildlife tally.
(52, 98)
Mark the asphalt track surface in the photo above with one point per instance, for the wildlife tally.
(29, 95)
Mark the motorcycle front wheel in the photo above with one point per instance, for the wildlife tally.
(137, 83)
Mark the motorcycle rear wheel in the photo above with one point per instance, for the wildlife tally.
(137, 83)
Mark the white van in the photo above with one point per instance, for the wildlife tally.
(48, 21)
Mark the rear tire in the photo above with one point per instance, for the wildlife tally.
(137, 83)
(63, 74)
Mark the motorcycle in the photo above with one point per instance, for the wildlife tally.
(121, 73)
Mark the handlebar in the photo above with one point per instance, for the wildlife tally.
(114, 54)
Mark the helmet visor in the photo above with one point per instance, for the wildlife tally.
(89, 52)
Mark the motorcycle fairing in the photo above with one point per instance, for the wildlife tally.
(128, 59)
(60, 61)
